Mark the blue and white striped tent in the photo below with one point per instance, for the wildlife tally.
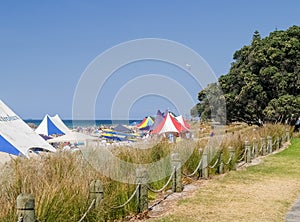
(16, 137)
(52, 125)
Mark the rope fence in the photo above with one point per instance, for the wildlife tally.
(129, 199)
(88, 210)
(261, 148)
(165, 186)
(195, 171)
(229, 160)
(142, 188)
(215, 164)
(243, 156)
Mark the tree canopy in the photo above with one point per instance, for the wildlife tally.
(263, 82)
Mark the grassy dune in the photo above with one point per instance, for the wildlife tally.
(60, 182)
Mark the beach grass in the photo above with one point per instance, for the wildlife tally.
(60, 181)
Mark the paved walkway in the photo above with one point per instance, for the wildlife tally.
(294, 214)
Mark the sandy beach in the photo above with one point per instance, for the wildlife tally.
(5, 157)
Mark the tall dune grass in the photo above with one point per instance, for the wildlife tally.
(60, 181)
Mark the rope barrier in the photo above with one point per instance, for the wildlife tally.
(230, 158)
(213, 166)
(242, 164)
(20, 219)
(276, 141)
(261, 148)
(243, 157)
(252, 150)
(164, 187)
(90, 207)
(130, 198)
(195, 171)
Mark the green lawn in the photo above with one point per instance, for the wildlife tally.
(263, 192)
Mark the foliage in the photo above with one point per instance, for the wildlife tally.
(263, 81)
(212, 103)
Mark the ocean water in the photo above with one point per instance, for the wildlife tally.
(89, 123)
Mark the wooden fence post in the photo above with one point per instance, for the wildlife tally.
(200, 168)
(280, 142)
(142, 192)
(25, 208)
(205, 164)
(176, 163)
(263, 144)
(232, 155)
(287, 134)
(270, 148)
(255, 148)
(277, 143)
(96, 192)
(248, 153)
(221, 166)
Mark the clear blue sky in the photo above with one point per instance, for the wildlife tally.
(46, 45)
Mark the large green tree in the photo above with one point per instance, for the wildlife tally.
(212, 103)
(264, 80)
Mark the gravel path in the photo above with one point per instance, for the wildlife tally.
(294, 214)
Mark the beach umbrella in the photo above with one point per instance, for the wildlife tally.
(121, 128)
(146, 123)
(115, 137)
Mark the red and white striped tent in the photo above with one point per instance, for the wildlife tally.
(169, 125)
(182, 121)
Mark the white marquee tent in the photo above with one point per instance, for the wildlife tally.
(16, 137)
(60, 124)
(169, 125)
(73, 137)
(182, 121)
(52, 125)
